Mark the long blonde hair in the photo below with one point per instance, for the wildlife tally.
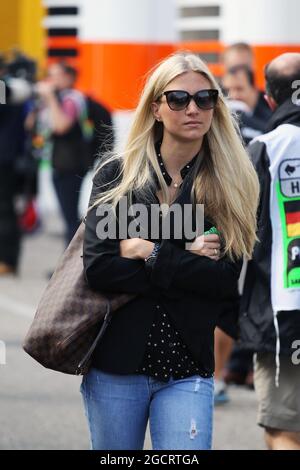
(227, 184)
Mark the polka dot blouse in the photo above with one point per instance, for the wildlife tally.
(166, 354)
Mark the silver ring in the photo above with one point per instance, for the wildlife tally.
(216, 251)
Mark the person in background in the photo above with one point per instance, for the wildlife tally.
(234, 365)
(239, 83)
(270, 304)
(246, 100)
(239, 53)
(12, 139)
(75, 130)
(61, 111)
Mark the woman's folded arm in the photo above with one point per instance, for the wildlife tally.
(176, 267)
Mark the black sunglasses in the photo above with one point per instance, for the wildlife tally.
(178, 99)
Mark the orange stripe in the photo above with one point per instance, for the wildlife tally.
(114, 73)
(216, 69)
(293, 230)
(201, 46)
(62, 42)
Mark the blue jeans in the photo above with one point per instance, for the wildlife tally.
(118, 407)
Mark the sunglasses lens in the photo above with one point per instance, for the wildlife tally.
(206, 99)
(177, 100)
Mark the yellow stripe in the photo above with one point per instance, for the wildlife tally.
(22, 28)
(32, 35)
(293, 230)
(9, 31)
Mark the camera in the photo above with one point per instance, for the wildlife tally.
(18, 77)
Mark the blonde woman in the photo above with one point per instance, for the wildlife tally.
(155, 361)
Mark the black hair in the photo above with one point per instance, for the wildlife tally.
(244, 68)
(279, 85)
(68, 69)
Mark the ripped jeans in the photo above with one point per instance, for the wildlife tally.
(118, 407)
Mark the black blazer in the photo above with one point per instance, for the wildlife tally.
(195, 291)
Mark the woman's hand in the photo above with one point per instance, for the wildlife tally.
(136, 248)
(207, 245)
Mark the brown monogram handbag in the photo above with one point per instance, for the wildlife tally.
(71, 318)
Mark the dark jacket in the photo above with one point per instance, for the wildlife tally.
(256, 314)
(255, 123)
(12, 133)
(197, 292)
